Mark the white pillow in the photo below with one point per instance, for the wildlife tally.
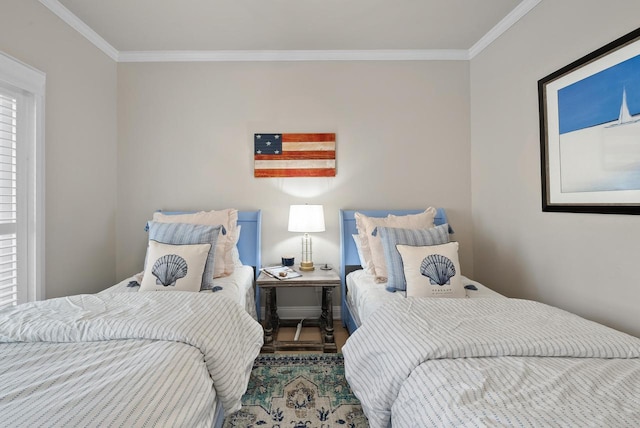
(174, 267)
(356, 240)
(235, 253)
(372, 249)
(432, 271)
(223, 264)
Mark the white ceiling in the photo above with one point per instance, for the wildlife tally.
(132, 27)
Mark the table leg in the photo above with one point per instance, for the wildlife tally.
(327, 314)
(275, 319)
(268, 315)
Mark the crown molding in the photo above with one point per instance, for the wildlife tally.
(77, 24)
(291, 55)
(501, 27)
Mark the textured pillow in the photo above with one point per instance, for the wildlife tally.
(235, 253)
(364, 242)
(372, 245)
(432, 271)
(356, 240)
(228, 218)
(392, 236)
(174, 267)
(186, 234)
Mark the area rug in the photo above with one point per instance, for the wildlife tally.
(298, 391)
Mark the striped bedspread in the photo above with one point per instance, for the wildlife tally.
(124, 359)
(491, 362)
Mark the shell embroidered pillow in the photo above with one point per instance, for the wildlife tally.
(187, 234)
(174, 267)
(391, 237)
(432, 271)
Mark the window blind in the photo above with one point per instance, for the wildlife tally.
(8, 201)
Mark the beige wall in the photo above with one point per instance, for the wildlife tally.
(80, 144)
(410, 134)
(585, 263)
(185, 141)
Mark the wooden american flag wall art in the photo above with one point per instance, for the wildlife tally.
(294, 155)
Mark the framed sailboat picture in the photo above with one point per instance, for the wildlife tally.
(590, 131)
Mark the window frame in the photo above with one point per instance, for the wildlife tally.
(31, 84)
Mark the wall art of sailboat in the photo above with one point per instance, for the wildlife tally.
(625, 116)
(621, 148)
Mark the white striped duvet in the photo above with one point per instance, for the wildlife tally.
(365, 295)
(491, 362)
(238, 287)
(124, 359)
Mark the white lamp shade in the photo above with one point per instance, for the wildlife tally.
(306, 218)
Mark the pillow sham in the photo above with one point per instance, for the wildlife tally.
(174, 267)
(356, 240)
(391, 236)
(432, 271)
(186, 234)
(228, 218)
(372, 245)
(235, 253)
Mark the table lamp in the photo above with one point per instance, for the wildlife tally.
(306, 219)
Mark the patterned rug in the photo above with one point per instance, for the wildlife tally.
(298, 391)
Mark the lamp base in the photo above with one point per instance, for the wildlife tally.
(306, 266)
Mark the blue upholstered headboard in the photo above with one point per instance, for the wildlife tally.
(349, 259)
(250, 241)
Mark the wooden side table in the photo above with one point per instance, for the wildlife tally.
(328, 280)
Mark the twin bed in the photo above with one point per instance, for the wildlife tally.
(361, 294)
(128, 358)
(480, 360)
(240, 285)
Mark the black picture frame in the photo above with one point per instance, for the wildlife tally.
(590, 160)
